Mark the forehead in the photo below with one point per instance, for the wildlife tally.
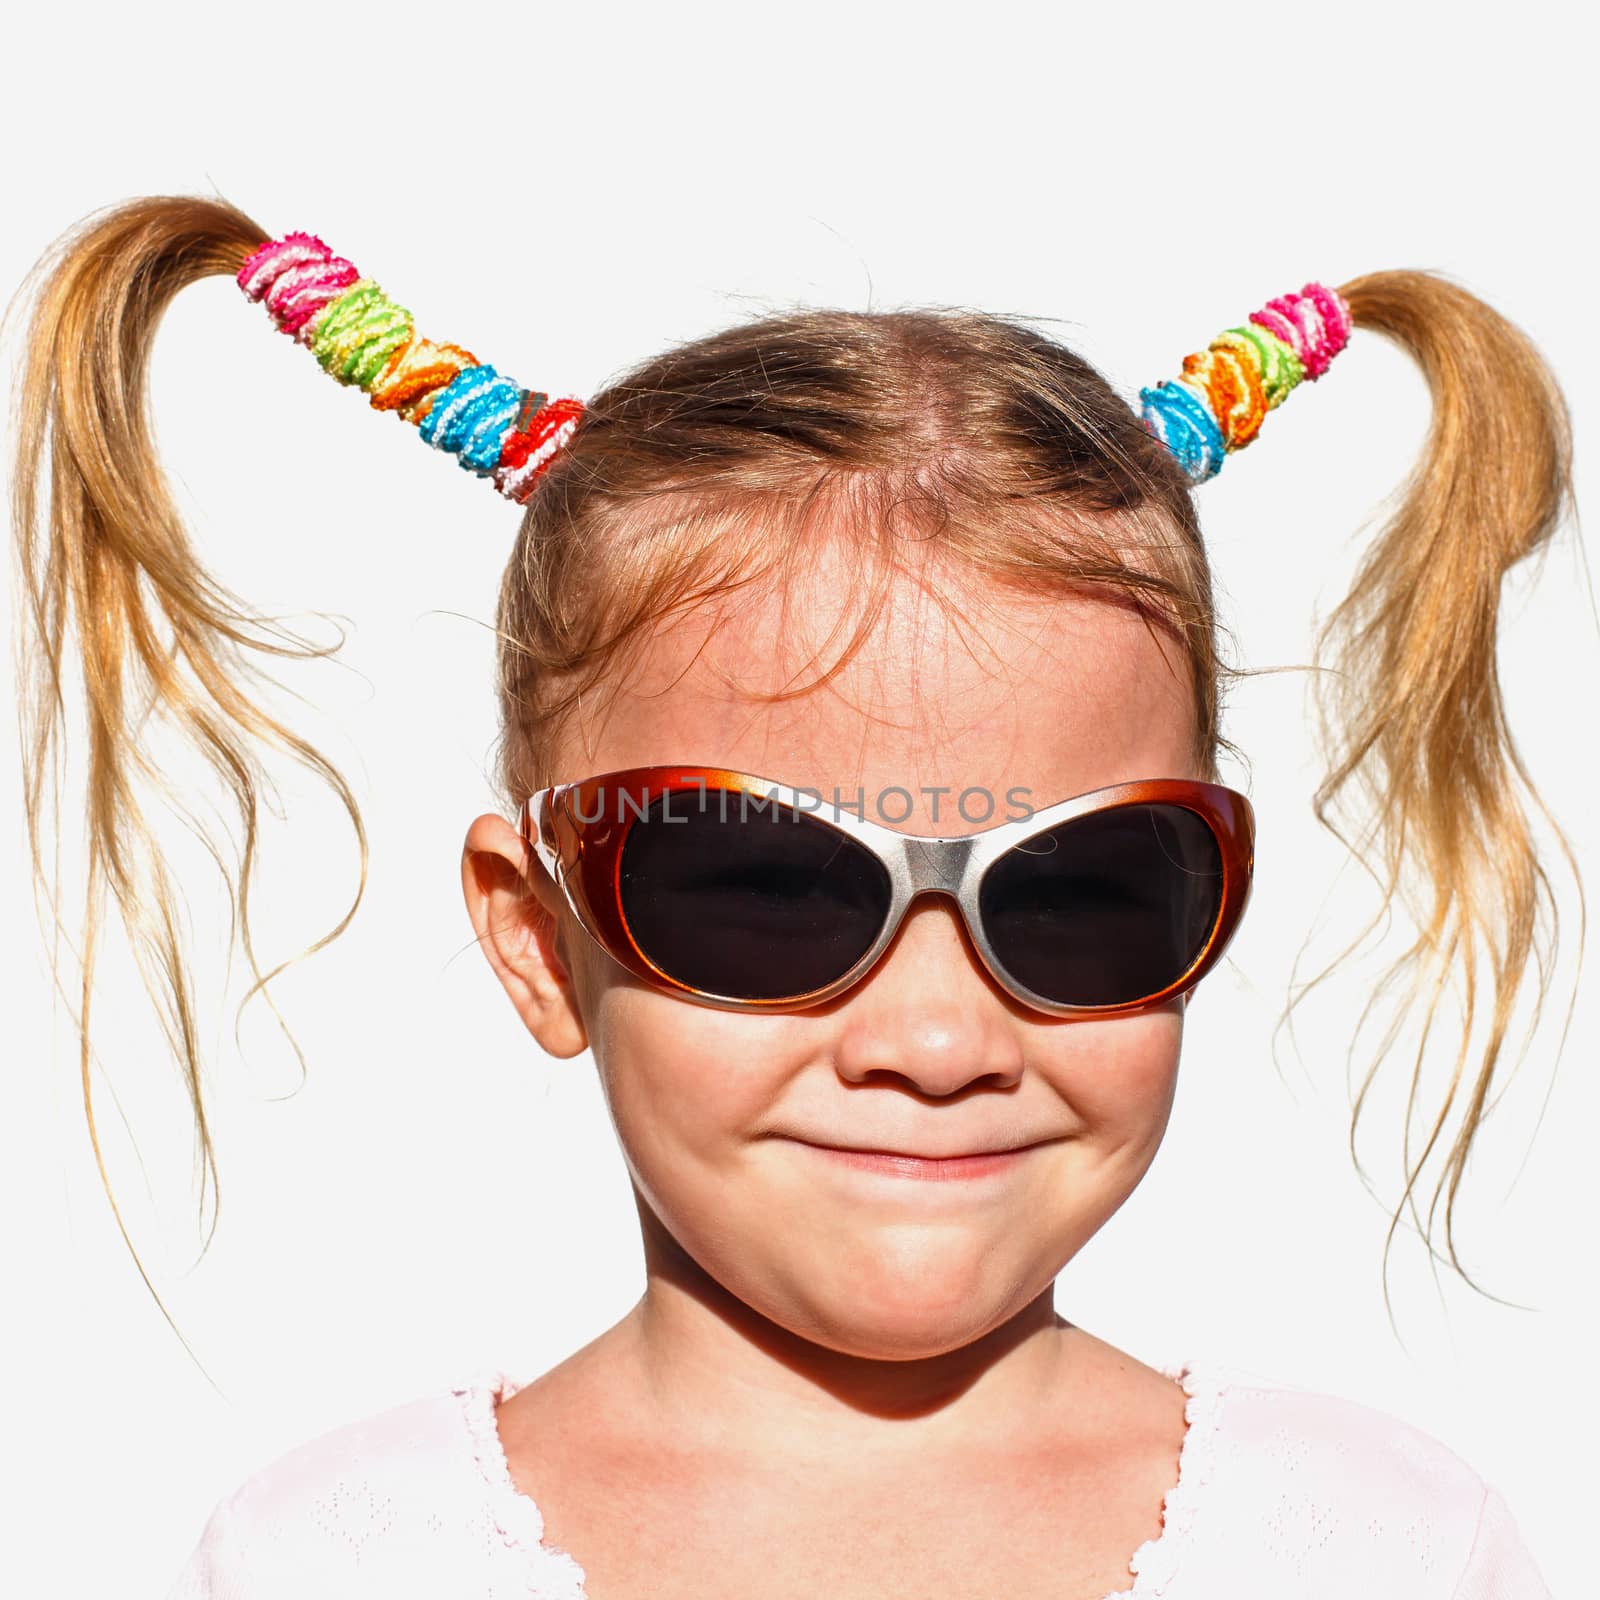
(956, 683)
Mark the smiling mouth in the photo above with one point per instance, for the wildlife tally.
(897, 1163)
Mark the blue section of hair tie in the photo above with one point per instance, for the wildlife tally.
(1183, 422)
(471, 415)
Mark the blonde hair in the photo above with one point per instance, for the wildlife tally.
(974, 436)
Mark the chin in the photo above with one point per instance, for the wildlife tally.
(909, 1300)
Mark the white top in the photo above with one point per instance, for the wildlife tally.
(1281, 1494)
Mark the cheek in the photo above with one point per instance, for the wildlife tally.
(686, 1084)
(1119, 1078)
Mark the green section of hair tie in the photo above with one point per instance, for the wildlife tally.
(1280, 368)
(358, 333)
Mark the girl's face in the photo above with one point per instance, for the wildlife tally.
(718, 1112)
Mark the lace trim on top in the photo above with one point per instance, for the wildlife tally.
(1156, 1560)
(556, 1575)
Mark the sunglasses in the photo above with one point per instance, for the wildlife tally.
(735, 891)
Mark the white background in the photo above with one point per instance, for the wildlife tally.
(565, 195)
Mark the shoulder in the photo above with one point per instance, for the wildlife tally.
(1325, 1491)
(1305, 1441)
(392, 1503)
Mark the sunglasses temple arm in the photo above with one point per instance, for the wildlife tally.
(531, 826)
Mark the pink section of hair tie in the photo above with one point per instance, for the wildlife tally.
(1335, 316)
(298, 275)
(1315, 324)
(256, 275)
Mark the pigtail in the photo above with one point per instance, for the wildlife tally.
(1412, 709)
(105, 559)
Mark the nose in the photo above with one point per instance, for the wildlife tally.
(929, 1011)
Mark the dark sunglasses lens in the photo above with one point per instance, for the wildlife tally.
(751, 900)
(1106, 909)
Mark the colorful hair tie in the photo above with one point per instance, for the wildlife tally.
(1225, 391)
(492, 425)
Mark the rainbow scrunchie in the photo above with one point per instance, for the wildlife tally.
(1225, 391)
(493, 426)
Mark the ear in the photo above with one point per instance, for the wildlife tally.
(516, 911)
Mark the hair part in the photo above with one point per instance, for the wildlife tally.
(938, 434)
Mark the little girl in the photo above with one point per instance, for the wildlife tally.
(858, 681)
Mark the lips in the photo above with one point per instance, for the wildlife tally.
(918, 1155)
(896, 1163)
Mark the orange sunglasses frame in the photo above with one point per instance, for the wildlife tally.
(583, 858)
